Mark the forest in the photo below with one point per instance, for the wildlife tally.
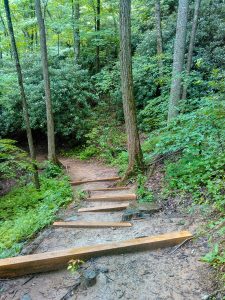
(136, 86)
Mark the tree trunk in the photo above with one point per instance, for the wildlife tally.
(178, 59)
(134, 149)
(191, 44)
(22, 93)
(159, 34)
(76, 29)
(97, 30)
(44, 56)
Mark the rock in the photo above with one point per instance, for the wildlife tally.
(148, 208)
(205, 297)
(26, 297)
(89, 277)
(102, 269)
(131, 213)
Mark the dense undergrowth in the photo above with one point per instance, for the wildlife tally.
(24, 211)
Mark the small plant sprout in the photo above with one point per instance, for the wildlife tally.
(74, 265)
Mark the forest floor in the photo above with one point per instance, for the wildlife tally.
(164, 274)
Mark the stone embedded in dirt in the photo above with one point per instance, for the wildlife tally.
(102, 269)
(131, 213)
(26, 297)
(89, 277)
(148, 208)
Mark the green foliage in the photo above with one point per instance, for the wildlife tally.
(199, 138)
(51, 170)
(143, 193)
(121, 162)
(72, 91)
(106, 140)
(25, 211)
(216, 257)
(88, 152)
(74, 265)
(13, 160)
(79, 195)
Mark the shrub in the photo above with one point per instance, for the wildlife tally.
(13, 160)
(25, 211)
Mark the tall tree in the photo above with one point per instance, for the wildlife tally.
(22, 93)
(178, 59)
(44, 56)
(129, 108)
(191, 44)
(76, 28)
(98, 24)
(159, 33)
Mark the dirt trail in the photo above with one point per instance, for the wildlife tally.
(150, 275)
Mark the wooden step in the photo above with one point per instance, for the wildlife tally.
(127, 197)
(42, 262)
(94, 180)
(109, 189)
(83, 224)
(117, 207)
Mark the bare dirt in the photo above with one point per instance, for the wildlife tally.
(164, 274)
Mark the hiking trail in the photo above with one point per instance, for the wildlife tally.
(173, 273)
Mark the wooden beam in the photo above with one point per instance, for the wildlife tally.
(110, 189)
(94, 180)
(105, 208)
(42, 262)
(128, 197)
(85, 224)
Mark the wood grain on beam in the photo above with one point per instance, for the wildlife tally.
(114, 207)
(42, 262)
(128, 197)
(85, 224)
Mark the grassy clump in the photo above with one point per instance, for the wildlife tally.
(143, 193)
(25, 211)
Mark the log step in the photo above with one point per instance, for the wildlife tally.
(104, 208)
(83, 224)
(43, 262)
(114, 198)
(94, 180)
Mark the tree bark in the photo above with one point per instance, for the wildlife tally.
(22, 94)
(191, 45)
(134, 149)
(76, 29)
(159, 34)
(44, 57)
(178, 59)
(98, 24)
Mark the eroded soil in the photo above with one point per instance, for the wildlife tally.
(164, 274)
